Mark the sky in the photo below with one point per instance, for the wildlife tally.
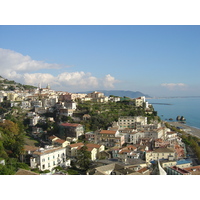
(158, 60)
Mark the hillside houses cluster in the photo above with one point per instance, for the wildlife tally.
(129, 150)
(130, 146)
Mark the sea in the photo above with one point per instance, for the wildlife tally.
(188, 107)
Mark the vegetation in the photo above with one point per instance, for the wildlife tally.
(72, 172)
(83, 158)
(12, 85)
(103, 114)
(190, 140)
(11, 166)
(12, 139)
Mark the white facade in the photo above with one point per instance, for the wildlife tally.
(34, 120)
(160, 153)
(70, 105)
(48, 158)
(131, 121)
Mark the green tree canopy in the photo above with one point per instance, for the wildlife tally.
(12, 138)
(83, 158)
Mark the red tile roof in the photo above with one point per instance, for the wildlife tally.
(190, 169)
(52, 137)
(97, 146)
(30, 148)
(107, 132)
(60, 141)
(131, 147)
(88, 149)
(46, 151)
(124, 151)
(69, 124)
(144, 169)
(76, 144)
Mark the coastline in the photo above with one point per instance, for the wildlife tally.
(189, 129)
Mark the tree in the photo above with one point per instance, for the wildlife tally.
(12, 138)
(83, 158)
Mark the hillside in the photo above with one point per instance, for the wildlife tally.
(120, 93)
(10, 85)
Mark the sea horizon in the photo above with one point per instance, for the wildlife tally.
(187, 107)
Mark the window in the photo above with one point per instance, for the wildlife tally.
(48, 158)
(43, 166)
(54, 163)
(58, 155)
(48, 164)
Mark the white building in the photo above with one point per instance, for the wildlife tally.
(132, 121)
(160, 153)
(48, 158)
(34, 120)
(70, 105)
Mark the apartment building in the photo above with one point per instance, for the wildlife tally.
(70, 130)
(110, 138)
(49, 157)
(133, 122)
(94, 149)
(161, 153)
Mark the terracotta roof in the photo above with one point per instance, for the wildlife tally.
(30, 148)
(59, 141)
(193, 168)
(158, 140)
(46, 151)
(69, 124)
(182, 171)
(124, 151)
(52, 137)
(76, 144)
(97, 146)
(25, 172)
(88, 148)
(107, 132)
(143, 170)
(131, 147)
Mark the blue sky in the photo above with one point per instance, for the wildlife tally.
(156, 60)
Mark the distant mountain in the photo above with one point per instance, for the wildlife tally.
(120, 93)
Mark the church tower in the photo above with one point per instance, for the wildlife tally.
(48, 86)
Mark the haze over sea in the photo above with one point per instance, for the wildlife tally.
(189, 107)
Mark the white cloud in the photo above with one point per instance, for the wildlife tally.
(23, 69)
(12, 63)
(174, 86)
(81, 79)
(109, 81)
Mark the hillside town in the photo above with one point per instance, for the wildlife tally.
(68, 142)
